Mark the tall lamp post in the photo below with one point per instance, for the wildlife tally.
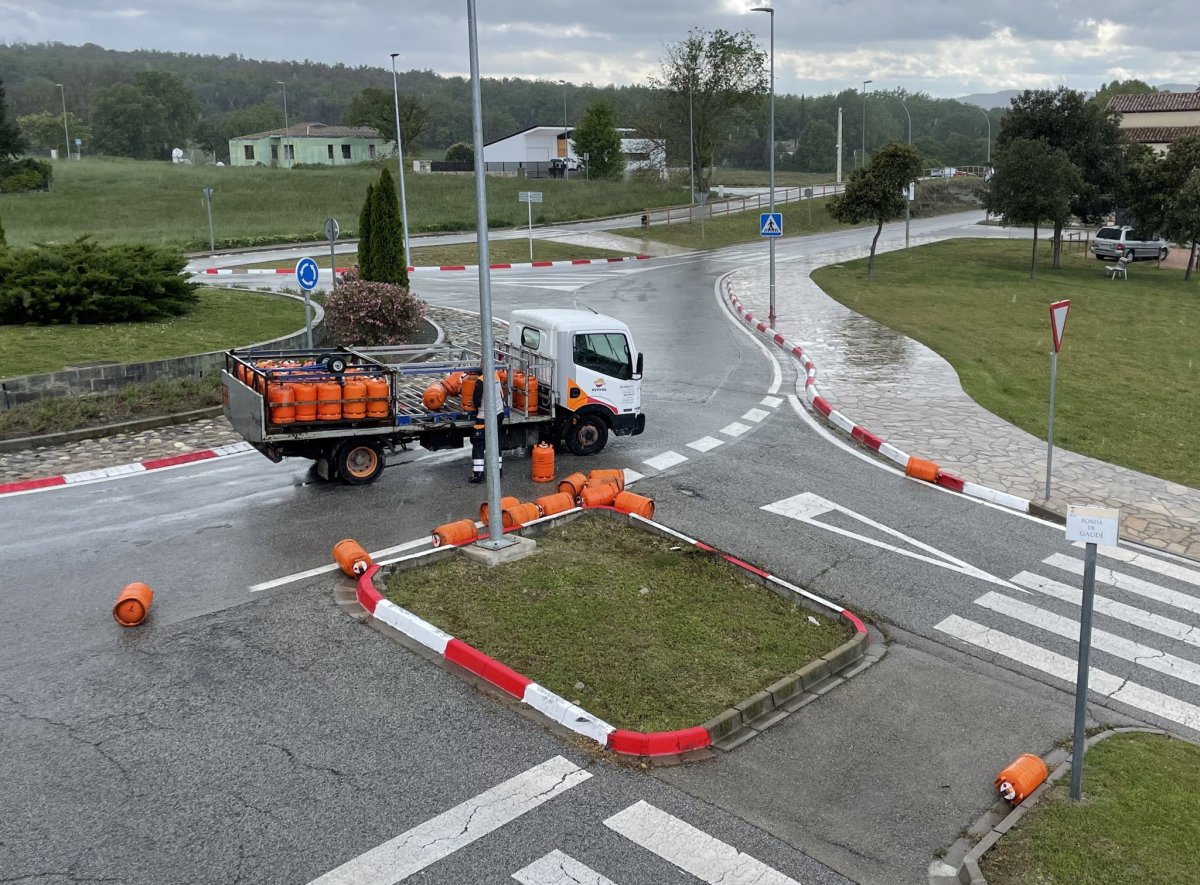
(989, 131)
(771, 144)
(566, 141)
(907, 195)
(400, 162)
(866, 83)
(285, 118)
(691, 143)
(66, 134)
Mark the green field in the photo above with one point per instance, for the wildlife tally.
(119, 201)
(1128, 374)
(1138, 822)
(499, 251)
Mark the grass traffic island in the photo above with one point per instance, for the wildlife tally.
(1127, 371)
(1138, 822)
(507, 251)
(638, 628)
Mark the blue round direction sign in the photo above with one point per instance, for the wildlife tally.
(307, 274)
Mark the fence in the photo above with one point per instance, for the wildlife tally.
(732, 205)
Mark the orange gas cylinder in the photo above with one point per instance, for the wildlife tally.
(525, 395)
(377, 397)
(453, 534)
(1023, 775)
(919, 469)
(133, 604)
(598, 494)
(560, 502)
(572, 485)
(628, 502)
(283, 403)
(329, 401)
(351, 557)
(453, 382)
(506, 501)
(519, 514)
(306, 400)
(434, 396)
(616, 476)
(542, 459)
(354, 395)
(467, 392)
(240, 371)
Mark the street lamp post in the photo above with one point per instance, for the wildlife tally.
(400, 163)
(66, 134)
(989, 132)
(907, 195)
(566, 140)
(771, 145)
(691, 145)
(866, 83)
(285, 119)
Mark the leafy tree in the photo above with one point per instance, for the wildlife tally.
(1033, 182)
(387, 234)
(1180, 171)
(3, 241)
(366, 236)
(213, 133)
(376, 108)
(1183, 220)
(44, 129)
(180, 110)
(596, 135)
(816, 148)
(875, 192)
(1119, 87)
(460, 152)
(145, 120)
(1090, 137)
(724, 75)
(12, 142)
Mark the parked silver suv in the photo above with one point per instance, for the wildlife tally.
(1111, 243)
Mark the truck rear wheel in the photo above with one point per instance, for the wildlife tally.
(359, 463)
(586, 434)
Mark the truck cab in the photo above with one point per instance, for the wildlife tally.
(596, 370)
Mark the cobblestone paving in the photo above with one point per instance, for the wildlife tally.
(910, 396)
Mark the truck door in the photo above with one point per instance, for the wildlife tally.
(604, 371)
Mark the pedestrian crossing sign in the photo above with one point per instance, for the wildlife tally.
(770, 224)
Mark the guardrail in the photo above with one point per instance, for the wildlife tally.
(733, 204)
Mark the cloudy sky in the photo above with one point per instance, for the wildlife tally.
(943, 47)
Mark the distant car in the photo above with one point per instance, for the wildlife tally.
(1113, 242)
(571, 164)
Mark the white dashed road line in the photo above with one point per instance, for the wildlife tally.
(665, 461)
(734, 429)
(706, 444)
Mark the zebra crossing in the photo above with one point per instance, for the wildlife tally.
(1145, 634)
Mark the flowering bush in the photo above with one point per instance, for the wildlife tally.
(368, 314)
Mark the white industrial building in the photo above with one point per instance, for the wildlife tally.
(538, 145)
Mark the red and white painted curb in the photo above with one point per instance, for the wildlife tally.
(546, 702)
(574, 262)
(857, 431)
(88, 476)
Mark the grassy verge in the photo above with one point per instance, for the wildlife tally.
(500, 251)
(224, 318)
(659, 637)
(762, 178)
(122, 201)
(134, 401)
(1137, 822)
(1127, 373)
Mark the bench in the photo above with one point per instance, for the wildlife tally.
(1119, 269)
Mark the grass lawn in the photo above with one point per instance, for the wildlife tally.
(224, 318)
(121, 201)
(1128, 374)
(660, 636)
(1138, 822)
(762, 177)
(500, 251)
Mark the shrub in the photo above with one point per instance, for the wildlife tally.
(368, 314)
(25, 174)
(83, 282)
(460, 152)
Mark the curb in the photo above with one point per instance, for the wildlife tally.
(434, 268)
(914, 467)
(53, 439)
(994, 823)
(727, 730)
(87, 476)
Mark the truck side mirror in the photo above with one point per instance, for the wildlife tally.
(637, 372)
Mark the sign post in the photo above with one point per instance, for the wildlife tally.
(529, 198)
(307, 274)
(808, 196)
(332, 230)
(1058, 324)
(1092, 526)
(208, 192)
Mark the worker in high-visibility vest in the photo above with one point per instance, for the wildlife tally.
(477, 434)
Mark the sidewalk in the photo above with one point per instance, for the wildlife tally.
(910, 396)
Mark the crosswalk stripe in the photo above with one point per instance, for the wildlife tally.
(734, 429)
(693, 851)
(1150, 563)
(1111, 608)
(665, 460)
(1064, 668)
(451, 830)
(755, 415)
(771, 402)
(706, 444)
(1102, 640)
(1127, 582)
(557, 868)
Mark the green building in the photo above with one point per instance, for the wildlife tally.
(313, 143)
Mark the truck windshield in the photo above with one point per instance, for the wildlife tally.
(604, 352)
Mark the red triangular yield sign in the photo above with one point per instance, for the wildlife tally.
(1058, 321)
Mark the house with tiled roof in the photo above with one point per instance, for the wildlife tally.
(312, 143)
(1158, 119)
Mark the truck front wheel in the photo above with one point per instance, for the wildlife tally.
(359, 463)
(586, 434)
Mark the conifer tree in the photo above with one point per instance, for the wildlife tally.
(387, 233)
(366, 252)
